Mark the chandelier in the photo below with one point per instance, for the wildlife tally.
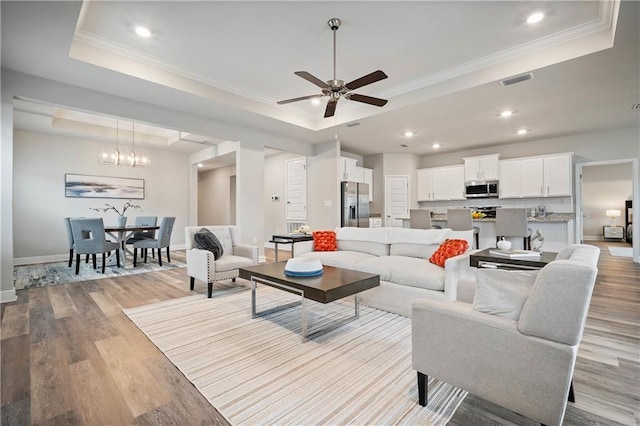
(116, 158)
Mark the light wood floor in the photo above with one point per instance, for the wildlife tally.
(70, 356)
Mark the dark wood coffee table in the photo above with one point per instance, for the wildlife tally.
(484, 259)
(333, 284)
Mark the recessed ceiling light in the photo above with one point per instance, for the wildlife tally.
(534, 18)
(404, 145)
(522, 132)
(143, 31)
(200, 165)
(435, 145)
(506, 113)
(315, 101)
(408, 134)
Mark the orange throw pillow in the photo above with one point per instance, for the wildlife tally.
(449, 248)
(324, 241)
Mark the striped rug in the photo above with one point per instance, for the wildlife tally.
(258, 371)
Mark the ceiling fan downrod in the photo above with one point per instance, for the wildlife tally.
(334, 24)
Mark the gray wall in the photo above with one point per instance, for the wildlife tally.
(39, 203)
(604, 188)
(323, 202)
(214, 196)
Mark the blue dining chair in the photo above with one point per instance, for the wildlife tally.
(89, 238)
(163, 239)
(141, 235)
(67, 225)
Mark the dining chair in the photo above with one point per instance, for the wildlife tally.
(420, 219)
(162, 240)
(461, 220)
(89, 238)
(141, 235)
(67, 225)
(513, 223)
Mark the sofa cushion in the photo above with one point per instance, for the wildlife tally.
(324, 241)
(370, 247)
(229, 262)
(403, 270)
(422, 251)
(339, 259)
(447, 249)
(501, 292)
(206, 240)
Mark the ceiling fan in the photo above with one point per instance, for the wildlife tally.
(337, 88)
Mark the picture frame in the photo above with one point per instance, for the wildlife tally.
(89, 186)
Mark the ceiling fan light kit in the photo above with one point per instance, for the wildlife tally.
(335, 88)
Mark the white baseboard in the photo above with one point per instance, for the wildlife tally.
(8, 296)
(282, 247)
(592, 237)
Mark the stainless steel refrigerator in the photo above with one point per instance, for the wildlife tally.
(355, 204)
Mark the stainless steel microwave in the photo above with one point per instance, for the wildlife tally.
(481, 189)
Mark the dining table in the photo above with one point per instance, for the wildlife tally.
(122, 233)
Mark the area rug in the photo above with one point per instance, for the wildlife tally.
(45, 274)
(621, 251)
(258, 371)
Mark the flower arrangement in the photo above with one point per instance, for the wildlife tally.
(127, 205)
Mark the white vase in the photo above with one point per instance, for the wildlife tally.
(121, 221)
(504, 245)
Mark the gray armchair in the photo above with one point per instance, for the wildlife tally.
(89, 238)
(202, 265)
(163, 240)
(526, 364)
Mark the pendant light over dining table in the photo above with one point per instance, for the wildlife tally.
(115, 157)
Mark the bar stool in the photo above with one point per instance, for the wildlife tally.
(513, 223)
(461, 220)
(420, 219)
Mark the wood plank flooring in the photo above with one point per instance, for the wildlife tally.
(69, 355)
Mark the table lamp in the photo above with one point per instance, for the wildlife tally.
(613, 214)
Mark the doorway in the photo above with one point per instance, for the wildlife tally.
(396, 195)
(604, 187)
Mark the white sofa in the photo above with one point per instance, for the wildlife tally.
(201, 264)
(401, 257)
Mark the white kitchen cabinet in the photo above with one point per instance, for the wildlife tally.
(484, 167)
(509, 178)
(358, 175)
(347, 169)
(557, 176)
(531, 177)
(368, 179)
(424, 184)
(536, 177)
(440, 183)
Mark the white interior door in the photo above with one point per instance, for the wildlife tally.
(396, 195)
(297, 189)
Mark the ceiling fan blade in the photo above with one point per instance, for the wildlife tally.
(313, 79)
(288, 101)
(331, 108)
(367, 99)
(367, 79)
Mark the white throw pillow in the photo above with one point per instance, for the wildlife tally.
(502, 292)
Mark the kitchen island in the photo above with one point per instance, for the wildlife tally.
(556, 228)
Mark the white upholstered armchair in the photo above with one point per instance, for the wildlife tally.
(524, 364)
(201, 264)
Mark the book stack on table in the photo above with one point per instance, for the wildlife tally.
(515, 254)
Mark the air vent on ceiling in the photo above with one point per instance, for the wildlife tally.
(517, 79)
(635, 107)
(354, 124)
(199, 141)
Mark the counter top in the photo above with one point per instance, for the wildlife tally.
(550, 218)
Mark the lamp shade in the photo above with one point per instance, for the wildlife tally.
(613, 213)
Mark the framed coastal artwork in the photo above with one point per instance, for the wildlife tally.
(87, 186)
